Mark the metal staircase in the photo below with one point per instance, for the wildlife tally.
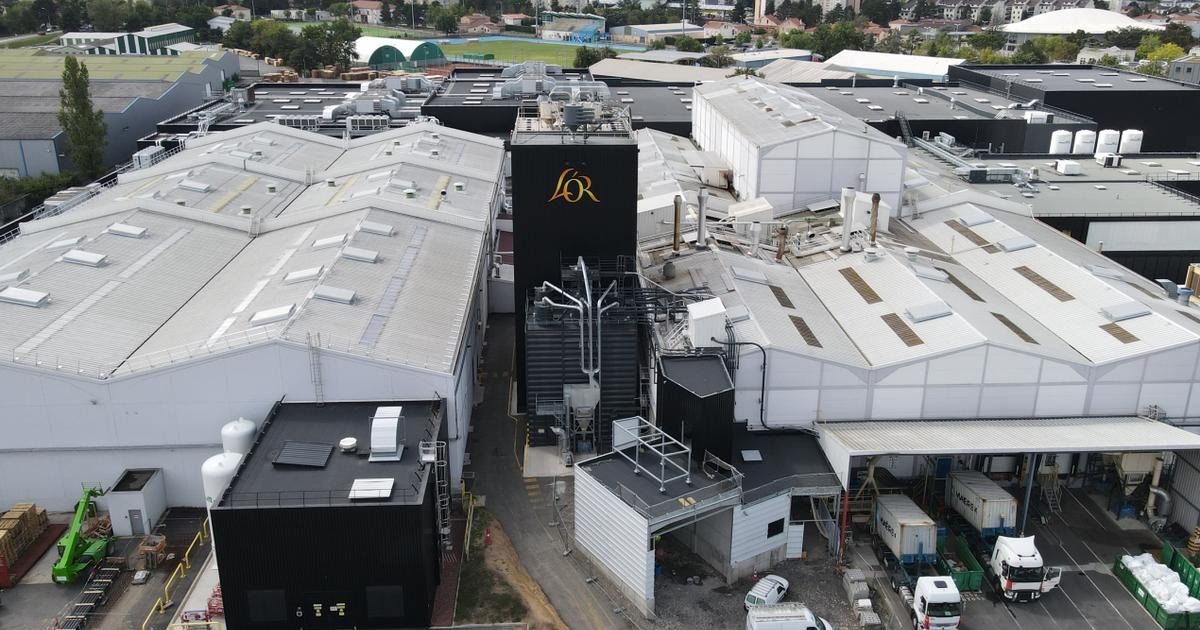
(314, 368)
(905, 128)
(1051, 488)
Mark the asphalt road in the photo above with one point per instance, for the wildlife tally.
(496, 446)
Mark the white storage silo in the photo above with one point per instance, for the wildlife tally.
(1060, 142)
(238, 436)
(1131, 141)
(1108, 141)
(1085, 142)
(217, 471)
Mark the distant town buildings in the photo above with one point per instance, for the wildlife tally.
(155, 40)
(236, 11)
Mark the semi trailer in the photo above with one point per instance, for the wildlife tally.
(905, 540)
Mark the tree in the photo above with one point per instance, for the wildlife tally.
(1125, 38)
(718, 57)
(990, 39)
(1179, 34)
(342, 9)
(1165, 53)
(70, 16)
(385, 13)
(683, 43)
(106, 15)
(1108, 61)
(985, 15)
(784, 10)
(447, 23)
(1149, 44)
(658, 44)
(19, 18)
(743, 38)
(1134, 10)
(769, 9)
(1029, 53)
(1100, 4)
(738, 15)
(45, 11)
(922, 10)
(585, 56)
(82, 124)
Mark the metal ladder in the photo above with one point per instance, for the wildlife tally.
(314, 368)
(905, 128)
(442, 483)
(1051, 489)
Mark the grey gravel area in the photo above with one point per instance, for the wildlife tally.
(713, 604)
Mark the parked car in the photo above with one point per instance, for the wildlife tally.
(767, 590)
(789, 616)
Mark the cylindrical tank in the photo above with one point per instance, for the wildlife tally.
(238, 436)
(1085, 142)
(1131, 141)
(905, 529)
(1108, 141)
(982, 502)
(217, 471)
(1060, 142)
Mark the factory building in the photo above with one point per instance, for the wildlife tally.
(259, 264)
(163, 39)
(1114, 99)
(486, 100)
(133, 92)
(790, 148)
(365, 475)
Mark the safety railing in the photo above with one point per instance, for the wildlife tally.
(185, 564)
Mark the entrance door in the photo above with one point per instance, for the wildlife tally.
(795, 539)
(135, 523)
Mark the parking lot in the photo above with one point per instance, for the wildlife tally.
(1083, 540)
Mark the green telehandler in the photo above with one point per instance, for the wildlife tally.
(76, 552)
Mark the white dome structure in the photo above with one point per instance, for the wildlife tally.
(1090, 21)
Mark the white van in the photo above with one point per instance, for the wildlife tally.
(790, 616)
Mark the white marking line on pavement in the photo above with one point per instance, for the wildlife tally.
(1074, 605)
(1089, 578)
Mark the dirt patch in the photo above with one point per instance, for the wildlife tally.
(494, 586)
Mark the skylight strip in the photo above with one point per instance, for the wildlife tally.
(258, 287)
(41, 246)
(66, 318)
(287, 254)
(137, 265)
(221, 330)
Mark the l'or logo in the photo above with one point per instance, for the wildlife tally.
(572, 186)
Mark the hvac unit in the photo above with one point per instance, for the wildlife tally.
(1067, 167)
(1108, 160)
(147, 157)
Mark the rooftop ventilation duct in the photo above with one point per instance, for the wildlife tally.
(333, 294)
(930, 310)
(85, 258)
(1124, 311)
(387, 441)
(130, 231)
(24, 297)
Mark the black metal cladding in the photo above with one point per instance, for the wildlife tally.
(550, 228)
(706, 421)
(278, 564)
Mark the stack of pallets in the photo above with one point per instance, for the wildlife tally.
(19, 527)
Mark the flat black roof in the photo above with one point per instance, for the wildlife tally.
(288, 99)
(1074, 78)
(703, 375)
(925, 103)
(134, 479)
(789, 459)
(657, 103)
(617, 474)
(472, 87)
(261, 484)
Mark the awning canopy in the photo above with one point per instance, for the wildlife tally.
(843, 440)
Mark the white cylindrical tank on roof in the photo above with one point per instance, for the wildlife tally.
(1131, 141)
(238, 436)
(1108, 141)
(1085, 142)
(217, 471)
(1060, 142)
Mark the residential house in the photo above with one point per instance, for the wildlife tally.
(220, 23)
(724, 30)
(789, 25)
(1094, 55)
(1189, 20)
(514, 19)
(366, 11)
(478, 24)
(236, 11)
(1185, 69)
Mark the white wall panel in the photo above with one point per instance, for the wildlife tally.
(849, 146)
(790, 406)
(1171, 365)
(1127, 371)
(964, 367)
(1114, 399)
(912, 374)
(1055, 372)
(776, 176)
(750, 527)
(789, 370)
(1144, 235)
(787, 150)
(1193, 409)
(816, 146)
(889, 403)
(1185, 490)
(844, 404)
(1171, 397)
(951, 402)
(616, 537)
(834, 375)
(1006, 366)
(1007, 401)
(1060, 400)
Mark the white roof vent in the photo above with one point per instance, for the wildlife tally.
(329, 241)
(81, 257)
(65, 243)
(1105, 272)
(929, 273)
(410, 193)
(370, 227)
(303, 275)
(1124, 311)
(13, 276)
(361, 255)
(122, 229)
(927, 311)
(749, 275)
(1016, 243)
(459, 186)
(971, 216)
(331, 182)
(272, 187)
(386, 441)
(348, 444)
(24, 297)
(246, 211)
(371, 489)
(272, 315)
(195, 186)
(333, 294)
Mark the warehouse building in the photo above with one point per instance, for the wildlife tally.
(133, 92)
(258, 264)
(890, 65)
(791, 148)
(1116, 100)
(155, 40)
(362, 474)
(650, 33)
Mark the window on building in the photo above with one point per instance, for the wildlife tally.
(775, 528)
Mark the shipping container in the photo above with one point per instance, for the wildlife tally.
(907, 531)
(982, 502)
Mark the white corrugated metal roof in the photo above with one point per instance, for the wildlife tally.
(888, 64)
(1025, 435)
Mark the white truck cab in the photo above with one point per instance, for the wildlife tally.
(789, 616)
(937, 604)
(1020, 574)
